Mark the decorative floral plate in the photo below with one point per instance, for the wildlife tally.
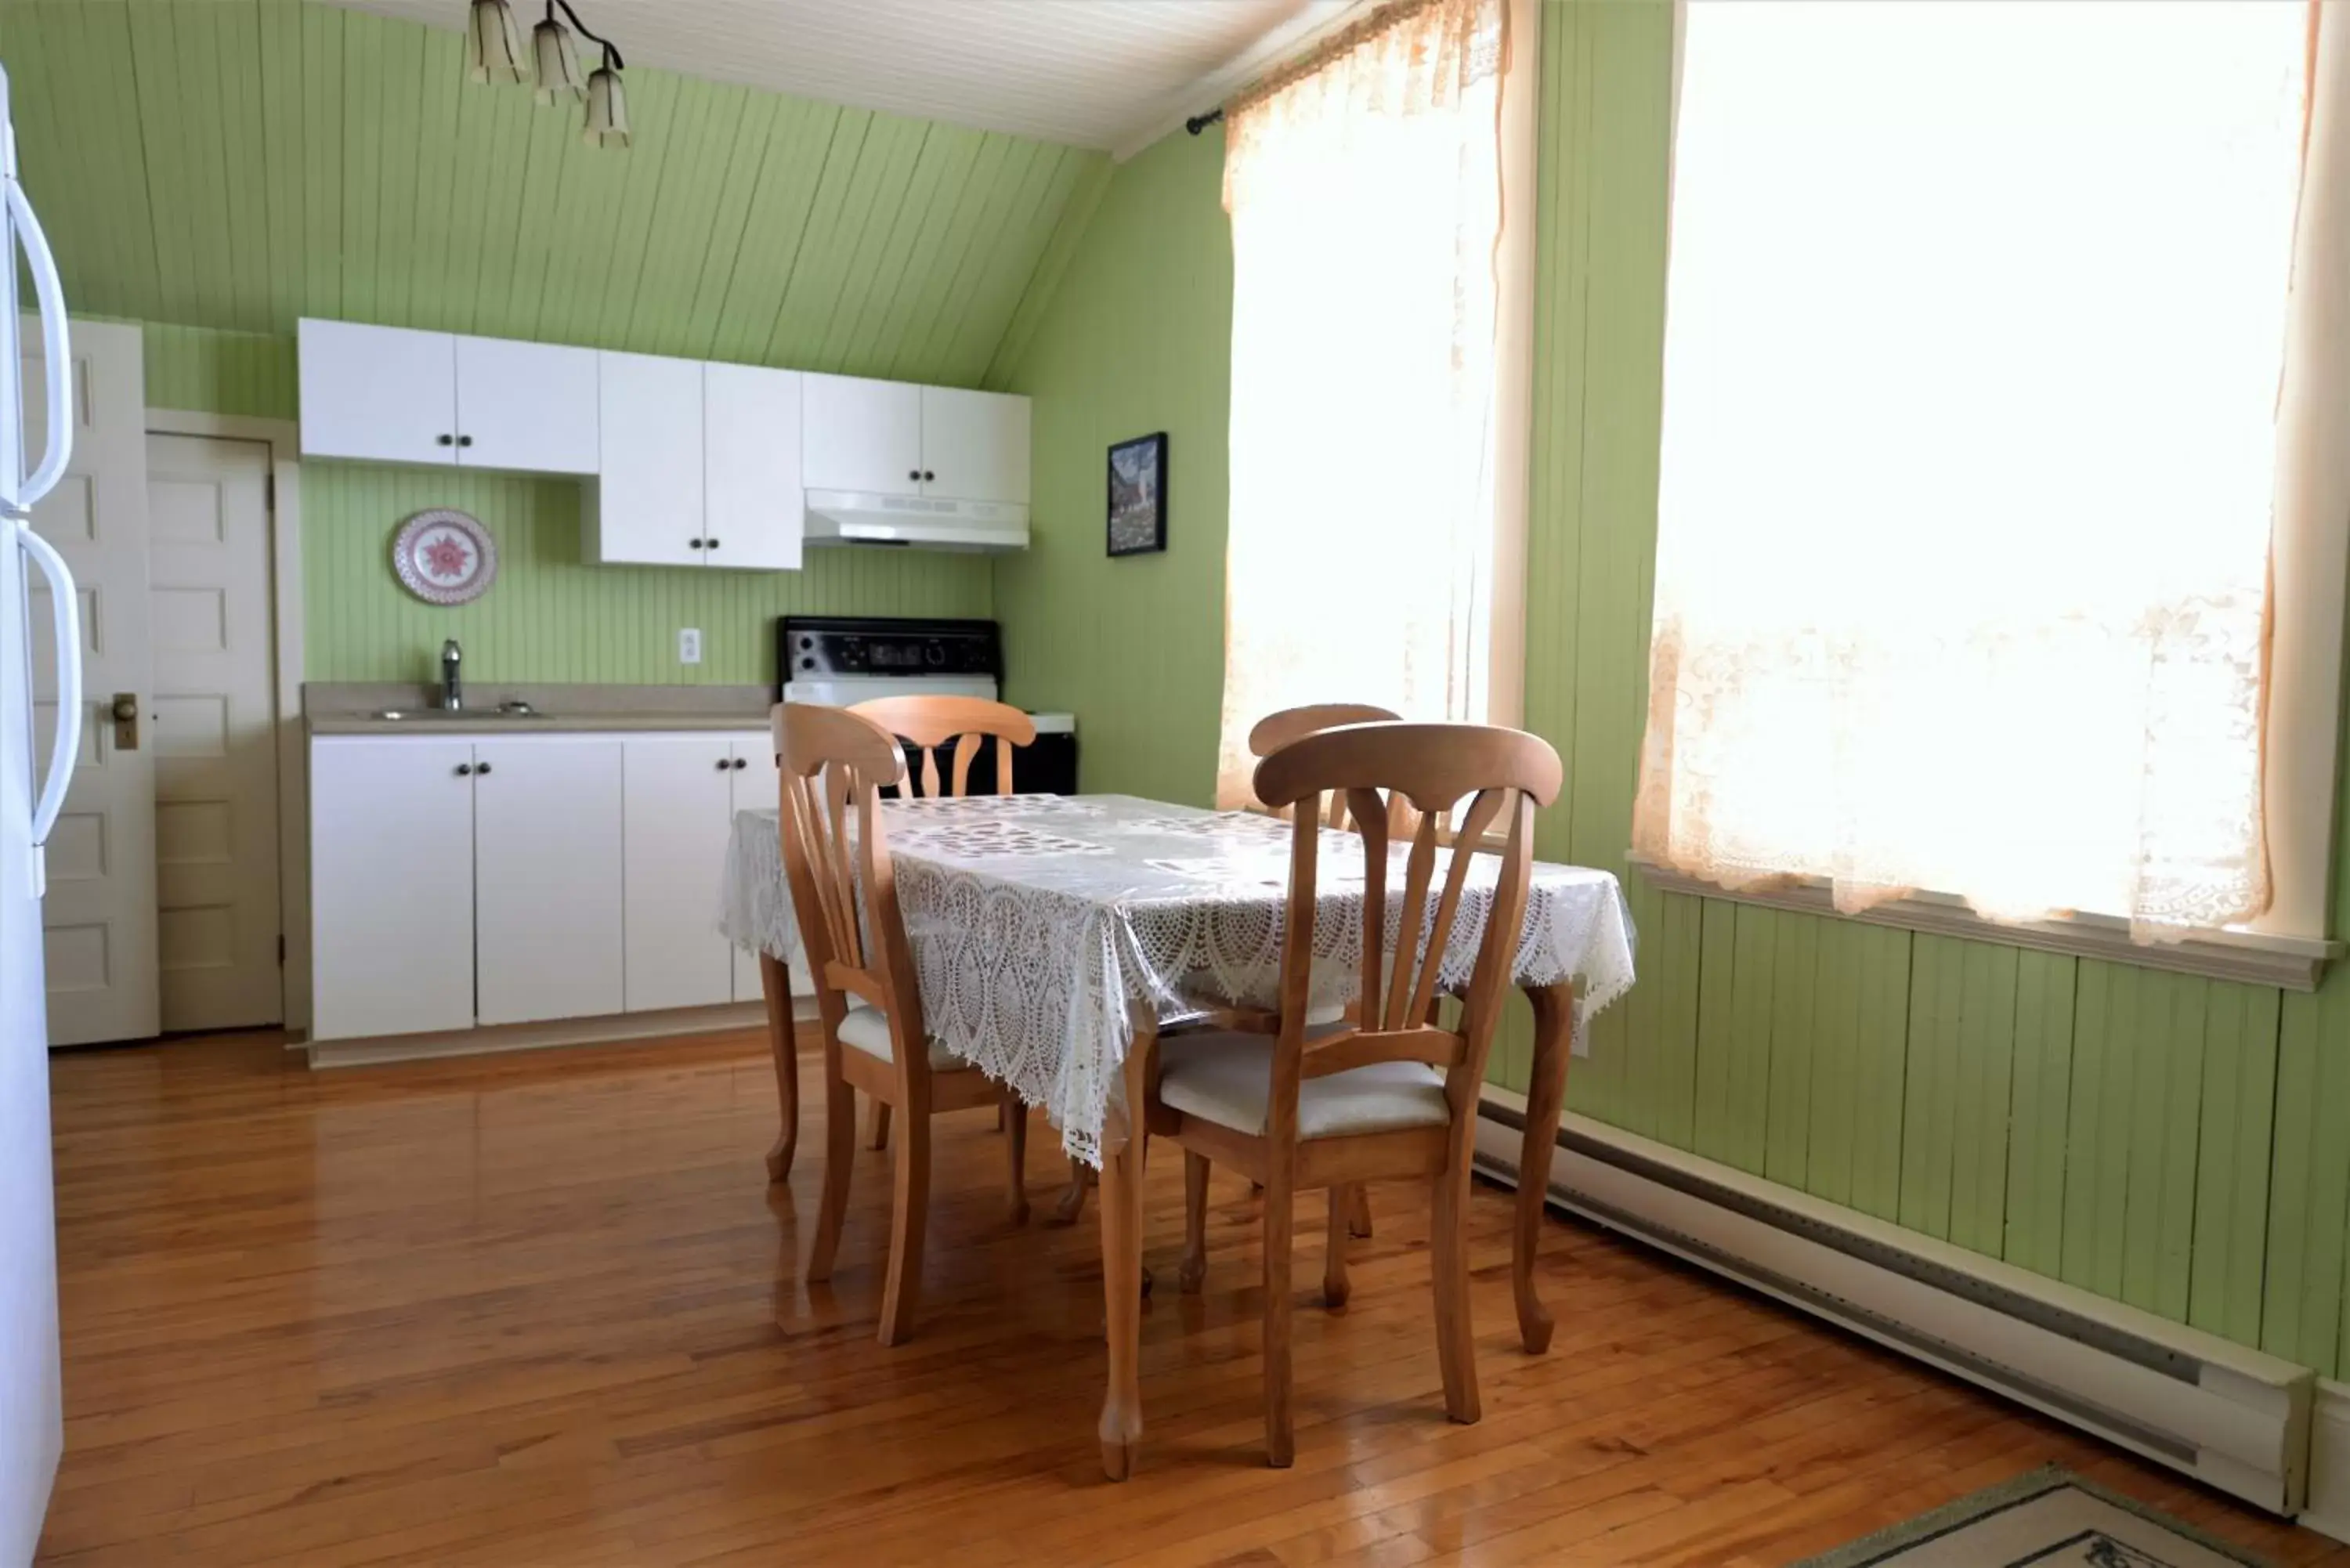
(444, 557)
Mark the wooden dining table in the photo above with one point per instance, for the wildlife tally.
(1058, 937)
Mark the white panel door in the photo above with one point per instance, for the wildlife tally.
(526, 407)
(754, 508)
(548, 824)
(680, 793)
(862, 435)
(215, 732)
(646, 510)
(758, 787)
(100, 917)
(391, 885)
(975, 445)
(384, 393)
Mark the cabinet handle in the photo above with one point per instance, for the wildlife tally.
(928, 476)
(464, 441)
(914, 474)
(445, 441)
(723, 764)
(741, 764)
(696, 544)
(463, 769)
(483, 769)
(710, 543)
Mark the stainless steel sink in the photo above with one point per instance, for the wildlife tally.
(503, 712)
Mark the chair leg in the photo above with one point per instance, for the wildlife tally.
(878, 1126)
(1334, 1254)
(1360, 1223)
(910, 1207)
(1456, 1346)
(839, 1156)
(1194, 1271)
(1073, 1196)
(1011, 1114)
(1280, 1443)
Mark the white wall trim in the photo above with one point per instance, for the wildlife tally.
(2252, 957)
(2328, 1512)
(284, 440)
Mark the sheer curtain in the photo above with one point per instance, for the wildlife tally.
(1365, 194)
(1975, 322)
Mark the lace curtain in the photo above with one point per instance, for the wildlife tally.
(1975, 321)
(1365, 194)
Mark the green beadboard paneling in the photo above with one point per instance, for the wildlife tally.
(216, 169)
(2180, 1144)
(1136, 338)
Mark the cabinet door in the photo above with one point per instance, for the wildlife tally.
(758, 787)
(975, 445)
(753, 508)
(646, 508)
(526, 407)
(547, 876)
(391, 886)
(679, 793)
(862, 435)
(385, 393)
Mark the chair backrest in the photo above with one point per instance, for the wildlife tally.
(929, 722)
(1275, 730)
(833, 763)
(1503, 774)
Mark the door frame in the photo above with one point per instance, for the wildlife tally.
(283, 438)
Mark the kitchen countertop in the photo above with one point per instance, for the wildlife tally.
(330, 709)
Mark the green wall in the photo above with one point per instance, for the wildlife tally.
(217, 169)
(2179, 1144)
(1138, 339)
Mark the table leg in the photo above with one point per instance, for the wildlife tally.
(1121, 1231)
(776, 986)
(1545, 1096)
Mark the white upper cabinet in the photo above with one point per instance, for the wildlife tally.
(526, 407)
(382, 393)
(975, 445)
(648, 509)
(863, 435)
(753, 509)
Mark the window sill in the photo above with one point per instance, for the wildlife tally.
(2251, 958)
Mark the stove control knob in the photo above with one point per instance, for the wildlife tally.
(934, 653)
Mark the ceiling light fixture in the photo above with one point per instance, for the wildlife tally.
(494, 53)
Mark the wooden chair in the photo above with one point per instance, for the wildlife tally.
(928, 723)
(834, 764)
(1394, 1094)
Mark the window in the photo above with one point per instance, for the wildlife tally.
(1972, 447)
(1365, 186)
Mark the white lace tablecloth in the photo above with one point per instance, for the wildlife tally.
(1035, 919)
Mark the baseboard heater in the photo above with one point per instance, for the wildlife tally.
(2235, 1419)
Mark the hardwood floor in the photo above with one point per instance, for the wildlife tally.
(542, 1310)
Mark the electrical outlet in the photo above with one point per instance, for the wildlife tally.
(689, 645)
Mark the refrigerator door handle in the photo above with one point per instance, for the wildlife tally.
(66, 617)
(56, 347)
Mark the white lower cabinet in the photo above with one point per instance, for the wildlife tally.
(458, 881)
(391, 886)
(547, 877)
(680, 795)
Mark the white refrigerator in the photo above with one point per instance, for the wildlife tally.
(32, 788)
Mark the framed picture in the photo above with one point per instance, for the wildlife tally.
(1137, 495)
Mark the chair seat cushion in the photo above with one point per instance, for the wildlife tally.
(867, 1029)
(1227, 1078)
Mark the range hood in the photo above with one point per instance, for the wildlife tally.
(914, 522)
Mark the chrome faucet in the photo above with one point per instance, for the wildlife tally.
(453, 691)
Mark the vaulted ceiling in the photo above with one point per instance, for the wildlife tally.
(1087, 73)
(241, 163)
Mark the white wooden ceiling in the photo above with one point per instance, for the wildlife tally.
(1109, 74)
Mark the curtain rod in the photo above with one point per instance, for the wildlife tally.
(1199, 122)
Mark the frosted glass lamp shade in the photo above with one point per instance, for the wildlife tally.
(608, 109)
(494, 43)
(558, 60)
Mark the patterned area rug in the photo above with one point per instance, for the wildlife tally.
(2048, 1519)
